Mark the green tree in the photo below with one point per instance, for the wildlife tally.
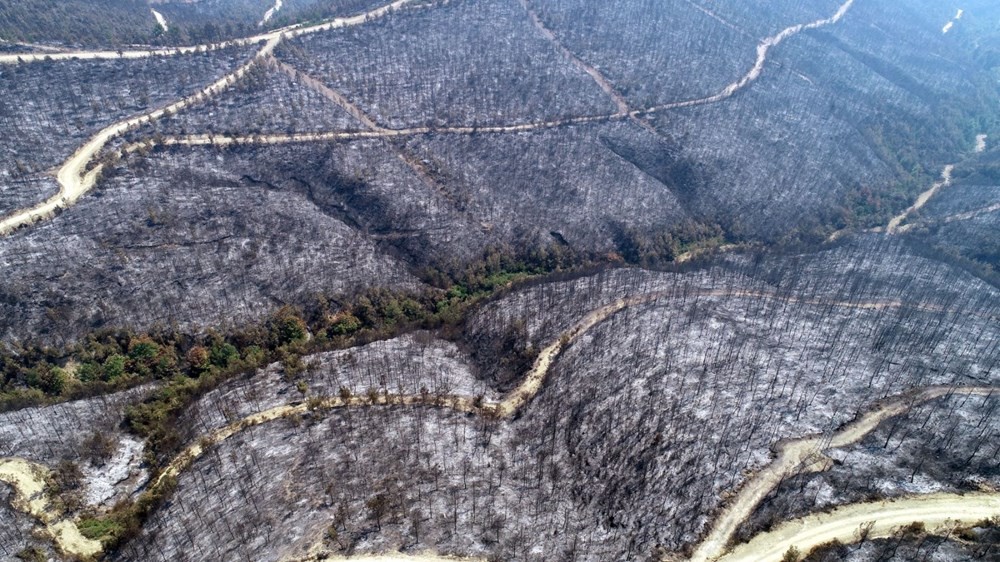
(47, 378)
(223, 354)
(114, 367)
(287, 326)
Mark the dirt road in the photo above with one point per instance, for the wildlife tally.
(278, 34)
(599, 79)
(793, 456)
(940, 514)
(922, 200)
(75, 180)
(806, 455)
(29, 481)
(763, 49)
(270, 13)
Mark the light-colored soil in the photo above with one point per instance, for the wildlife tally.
(75, 180)
(939, 513)
(278, 34)
(763, 49)
(806, 455)
(160, 20)
(270, 13)
(922, 200)
(28, 481)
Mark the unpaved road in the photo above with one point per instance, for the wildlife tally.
(939, 513)
(922, 200)
(967, 215)
(793, 457)
(806, 455)
(160, 20)
(763, 49)
(28, 481)
(329, 93)
(602, 82)
(270, 13)
(74, 182)
(533, 381)
(894, 224)
(278, 34)
(505, 408)
(74, 178)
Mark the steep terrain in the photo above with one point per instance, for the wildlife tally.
(499, 280)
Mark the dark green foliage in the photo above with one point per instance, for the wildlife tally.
(107, 361)
(114, 367)
(31, 554)
(46, 378)
(223, 354)
(657, 248)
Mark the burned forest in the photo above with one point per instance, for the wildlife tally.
(499, 280)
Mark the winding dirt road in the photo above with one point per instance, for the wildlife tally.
(922, 199)
(75, 181)
(763, 49)
(939, 513)
(895, 225)
(515, 400)
(793, 456)
(74, 178)
(288, 32)
(270, 13)
(28, 481)
(805, 455)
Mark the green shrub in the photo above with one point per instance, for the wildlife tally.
(114, 368)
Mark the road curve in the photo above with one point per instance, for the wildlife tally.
(75, 180)
(278, 34)
(763, 49)
(939, 513)
(794, 456)
(29, 481)
(762, 52)
(922, 199)
(805, 454)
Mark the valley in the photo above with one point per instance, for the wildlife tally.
(510, 280)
